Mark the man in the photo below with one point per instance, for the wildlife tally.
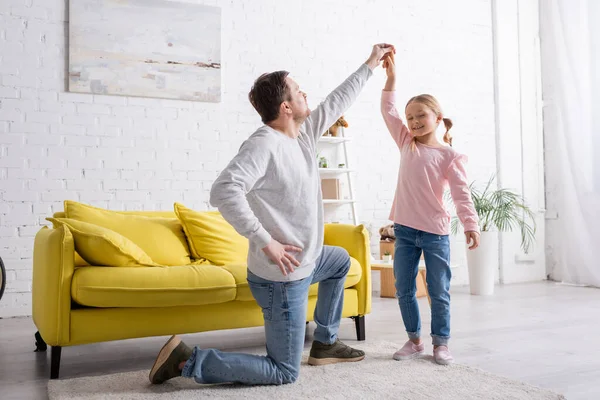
(270, 193)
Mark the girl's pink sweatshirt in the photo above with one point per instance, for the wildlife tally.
(424, 174)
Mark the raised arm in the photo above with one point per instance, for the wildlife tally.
(390, 114)
(338, 101)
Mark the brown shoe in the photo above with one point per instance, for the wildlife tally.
(166, 366)
(322, 354)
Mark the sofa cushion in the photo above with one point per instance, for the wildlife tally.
(152, 287)
(240, 273)
(102, 246)
(212, 238)
(162, 239)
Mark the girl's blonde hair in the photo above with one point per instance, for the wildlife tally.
(431, 102)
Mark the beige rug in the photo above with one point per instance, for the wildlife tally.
(376, 377)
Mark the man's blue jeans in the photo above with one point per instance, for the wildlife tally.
(284, 306)
(410, 243)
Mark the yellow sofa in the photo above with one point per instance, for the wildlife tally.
(75, 303)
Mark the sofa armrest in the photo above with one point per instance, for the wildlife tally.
(355, 239)
(53, 266)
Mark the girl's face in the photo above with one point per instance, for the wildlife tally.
(421, 120)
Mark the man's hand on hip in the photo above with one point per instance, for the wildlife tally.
(279, 254)
(378, 52)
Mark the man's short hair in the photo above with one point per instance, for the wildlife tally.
(267, 94)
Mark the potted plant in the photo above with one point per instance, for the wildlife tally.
(499, 210)
(387, 257)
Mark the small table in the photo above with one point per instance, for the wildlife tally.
(388, 287)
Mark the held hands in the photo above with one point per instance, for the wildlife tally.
(378, 53)
(389, 64)
(278, 253)
(472, 236)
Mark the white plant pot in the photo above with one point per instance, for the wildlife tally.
(482, 263)
(387, 259)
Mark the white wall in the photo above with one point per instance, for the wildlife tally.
(137, 153)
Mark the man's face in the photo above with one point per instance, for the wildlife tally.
(298, 103)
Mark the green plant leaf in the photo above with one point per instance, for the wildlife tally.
(502, 209)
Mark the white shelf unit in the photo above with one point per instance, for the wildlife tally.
(333, 140)
(343, 173)
(334, 171)
(344, 201)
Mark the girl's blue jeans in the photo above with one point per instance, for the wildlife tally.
(410, 243)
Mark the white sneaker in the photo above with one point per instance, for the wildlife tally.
(409, 351)
(442, 355)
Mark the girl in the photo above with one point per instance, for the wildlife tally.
(421, 222)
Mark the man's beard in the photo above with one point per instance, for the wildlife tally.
(299, 119)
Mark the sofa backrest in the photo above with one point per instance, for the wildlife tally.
(208, 236)
(180, 257)
(161, 214)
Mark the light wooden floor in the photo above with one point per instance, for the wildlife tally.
(545, 334)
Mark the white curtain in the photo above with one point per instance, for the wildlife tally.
(570, 55)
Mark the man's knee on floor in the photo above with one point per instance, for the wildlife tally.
(289, 376)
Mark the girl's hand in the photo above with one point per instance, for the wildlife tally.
(390, 65)
(472, 236)
(390, 70)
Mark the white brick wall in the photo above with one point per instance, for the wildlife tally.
(144, 154)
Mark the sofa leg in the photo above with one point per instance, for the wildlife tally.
(55, 365)
(359, 322)
(40, 345)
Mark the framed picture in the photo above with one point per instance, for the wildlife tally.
(146, 48)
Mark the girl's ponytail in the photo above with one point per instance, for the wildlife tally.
(413, 144)
(447, 136)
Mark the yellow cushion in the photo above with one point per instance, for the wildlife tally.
(212, 238)
(101, 246)
(240, 273)
(152, 287)
(162, 239)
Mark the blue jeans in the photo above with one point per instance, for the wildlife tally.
(407, 252)
(284, 306)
